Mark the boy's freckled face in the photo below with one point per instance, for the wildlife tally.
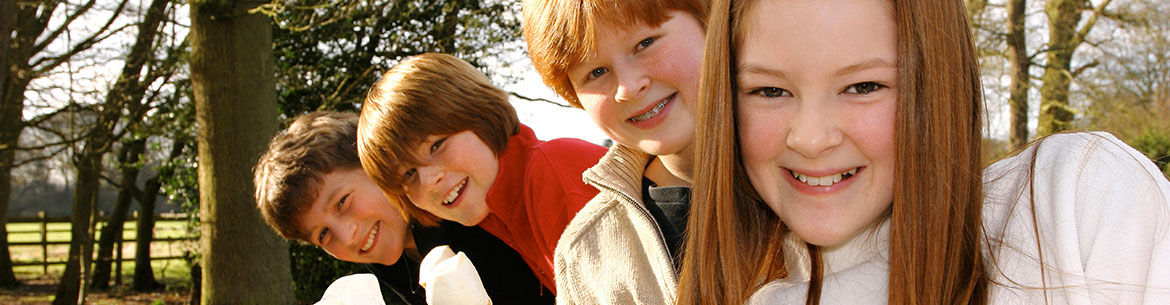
(641, 85)
(353, 221)
(454, 179)
(817, 95)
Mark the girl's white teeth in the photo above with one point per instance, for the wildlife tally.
(370, 238)
(454, 193)
(653, 111)
(824, 181)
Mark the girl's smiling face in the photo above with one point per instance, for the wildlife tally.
(817, 95)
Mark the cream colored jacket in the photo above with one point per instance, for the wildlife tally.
(613, 252)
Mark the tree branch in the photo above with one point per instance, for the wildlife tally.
(1088, 26)
(81, 46)
(333, 97)
(534, 99)
(37, 48)
(1032, 58)
(111, 181)
(44, 146)
(40, 158)
(54, 61)
(37, 120)
(1078, 71)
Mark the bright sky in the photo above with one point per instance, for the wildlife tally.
(550, 121)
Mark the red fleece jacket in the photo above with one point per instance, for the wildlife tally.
(537, 191)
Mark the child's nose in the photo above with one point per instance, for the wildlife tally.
(351, 230)
(346, 232)
(430, 176)
(632, 84)
(813, 131)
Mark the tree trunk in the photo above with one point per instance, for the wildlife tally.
(112, 231)
(71, 289)
(7, 277)
(1055, 113)
(974, 7)
(143, 272)
(1018, 58)
(244, 261)
(30, 25)
(11, 124)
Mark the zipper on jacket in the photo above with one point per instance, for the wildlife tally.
(645, 213)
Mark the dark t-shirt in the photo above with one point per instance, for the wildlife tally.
(505, 276)
(669, 205)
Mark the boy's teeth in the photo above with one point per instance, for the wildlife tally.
(370, 238)
(454, 193)
(824, 181)
(653, 111)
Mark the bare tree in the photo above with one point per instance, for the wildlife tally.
(141, 55)
(1129, 91)
(27, 35)
(8, 136)
(129, 163)
(125, 95)
(1065, 34)
(1020, 62)
(143, 272)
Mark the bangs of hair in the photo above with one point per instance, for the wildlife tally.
(386, 138)
(430, 94)
(563, 32)
(288, 175)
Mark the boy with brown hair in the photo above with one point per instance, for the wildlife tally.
(310, 188)
(438, 136)
(634, 67)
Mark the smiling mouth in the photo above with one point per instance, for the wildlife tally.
(826, 180)
(371, 237)
(653, 110)
(454, 193)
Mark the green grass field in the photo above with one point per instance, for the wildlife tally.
(172, 270)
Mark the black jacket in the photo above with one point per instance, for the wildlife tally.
(505, 276)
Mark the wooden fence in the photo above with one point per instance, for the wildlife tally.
(43, 231)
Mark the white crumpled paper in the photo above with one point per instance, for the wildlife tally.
(354, 289)
(451, 279)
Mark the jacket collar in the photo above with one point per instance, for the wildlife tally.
(509, 182)
(620, 169)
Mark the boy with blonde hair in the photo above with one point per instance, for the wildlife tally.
(439, 137)
(633, 66)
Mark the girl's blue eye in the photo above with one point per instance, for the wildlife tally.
(408, 174)
(864, 88)
(321, 236)
(341, 202)
(645, 43)
(595, 73)
(770, 92)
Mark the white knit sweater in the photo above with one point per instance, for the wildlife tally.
(1103, 215)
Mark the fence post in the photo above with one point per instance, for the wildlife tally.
(44, 242)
